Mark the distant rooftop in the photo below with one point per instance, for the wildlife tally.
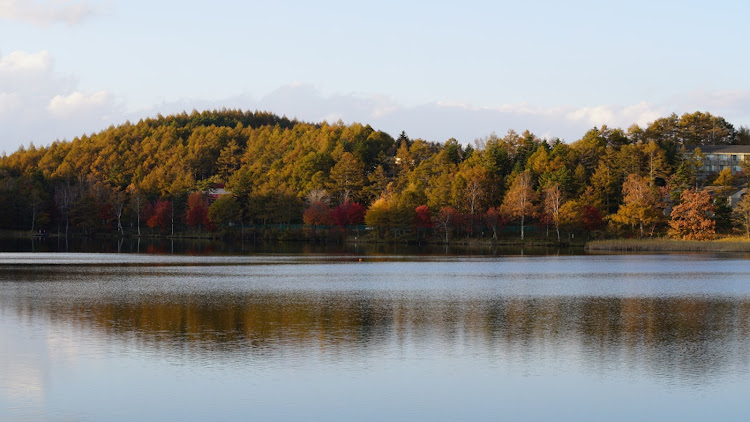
(722, 149)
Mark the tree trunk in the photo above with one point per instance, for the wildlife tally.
(119, 222)
(138, 214)
(641, 229)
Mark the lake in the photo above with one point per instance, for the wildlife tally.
(323, 336)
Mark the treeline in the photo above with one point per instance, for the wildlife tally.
(164, 176)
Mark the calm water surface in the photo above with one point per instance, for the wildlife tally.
(132, 337)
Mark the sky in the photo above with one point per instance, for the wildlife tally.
(434, 69)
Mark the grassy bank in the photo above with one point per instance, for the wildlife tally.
(734, 244)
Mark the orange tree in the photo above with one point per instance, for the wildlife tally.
(691, 218)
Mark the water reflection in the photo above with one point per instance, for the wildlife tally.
(684, 338)
(236, 247)
(327, 337)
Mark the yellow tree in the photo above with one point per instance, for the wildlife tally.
(657, 164)
(724, 180)
(641, 206)
(520, 200)
(553, 200)
(379, 215)
(347, 177)
(690, 219)
(474, 191)
(229, 160)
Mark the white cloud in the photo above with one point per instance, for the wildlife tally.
(593, 115)
(45, 13)
(617, 116)
(23, 62)
(38, 104)
(436, 121)
(60, 110)
(8, 102)
(77, 103)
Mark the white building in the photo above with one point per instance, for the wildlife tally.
(718, 157)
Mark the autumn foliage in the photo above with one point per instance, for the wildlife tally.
(160, 217)
(691, 219)
(257, 171)
(422, 218)
(317, 214)
(197, 211)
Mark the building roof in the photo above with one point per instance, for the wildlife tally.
(722, 149)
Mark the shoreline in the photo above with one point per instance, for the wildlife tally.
(332, 240)
(728, 244)
(669, 245)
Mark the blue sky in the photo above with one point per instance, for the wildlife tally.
(434, 69)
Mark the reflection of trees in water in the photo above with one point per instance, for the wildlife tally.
(158, 246)
(689, 337)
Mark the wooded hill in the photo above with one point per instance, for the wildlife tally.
(156, 177)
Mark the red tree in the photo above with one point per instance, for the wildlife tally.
(447, 218)
(495, 220)
(339, 216)
(146, 211)
(348, 213)
(317, 214)
(591, 218)
(423, 219)
(197, 210)
(161, 215)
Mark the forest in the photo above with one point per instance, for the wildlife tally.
(239, 173)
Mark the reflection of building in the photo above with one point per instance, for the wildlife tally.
(719, 157)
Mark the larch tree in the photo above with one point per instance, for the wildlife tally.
(603, 186)
(657, 164)
(225, 210)
(241, 186)
(347, 177)
(229, 160)
(724, 180)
